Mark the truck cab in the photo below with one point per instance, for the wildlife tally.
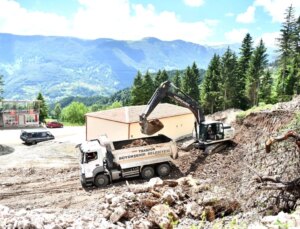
(92, 156)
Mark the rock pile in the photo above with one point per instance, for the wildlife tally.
(158, 203)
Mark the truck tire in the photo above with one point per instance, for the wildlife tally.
(163, 170)
(147, 172)
(101, 180)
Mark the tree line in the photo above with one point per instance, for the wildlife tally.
(238, 81)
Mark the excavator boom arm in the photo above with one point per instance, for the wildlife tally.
(167, 89)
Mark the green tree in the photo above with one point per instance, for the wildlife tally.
(43, 107)
(148, 87)
(229, 75)
(246, 51)
(196, 72)
(177, 79)
(74, 113)
(190, 83)
(116, 104)
(96, 107)
(258, 64)
(287, 43)
(161, 76)
(210, 89)
(57, 111)
(137, 92)
(265, 89)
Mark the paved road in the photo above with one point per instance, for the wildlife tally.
(75, 134)
(59, 152)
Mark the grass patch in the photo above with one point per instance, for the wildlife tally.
(294, 124)
(262, 107)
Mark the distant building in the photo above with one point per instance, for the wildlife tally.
(123, 123)
(19, 113)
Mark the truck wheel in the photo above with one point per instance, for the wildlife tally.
(101, 180)
(147, 172)
(163, 170)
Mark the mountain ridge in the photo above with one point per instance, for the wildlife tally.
(68, 66)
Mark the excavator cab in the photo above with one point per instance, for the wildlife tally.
(211, 131)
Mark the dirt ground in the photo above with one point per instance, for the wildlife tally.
(47, 174)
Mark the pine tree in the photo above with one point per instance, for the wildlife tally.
(177, 79)
(210, 89)
(137, 93)
(287, 43)
(246, 51)
(190, 83)
(161, 77)
(229, 76)
(148, 87)
(196, 71)
(157, 80)
(258, 63)
(297, 59)
(265, 89)
(43, 107)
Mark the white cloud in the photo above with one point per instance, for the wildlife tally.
(194, 3)
(248, 16)
(15, 19)
(235, 35)
(116, 19)
(277, 8)
(269, 39)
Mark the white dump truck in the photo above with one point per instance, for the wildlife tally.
(103, 161)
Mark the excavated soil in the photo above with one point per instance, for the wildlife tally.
(227, 176)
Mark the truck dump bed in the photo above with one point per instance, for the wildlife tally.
(143, 151)
(131, 143)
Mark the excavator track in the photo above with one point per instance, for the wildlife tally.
(216, 148)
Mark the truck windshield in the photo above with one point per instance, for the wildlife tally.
(91, 156)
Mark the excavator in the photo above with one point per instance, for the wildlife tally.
(212, 136)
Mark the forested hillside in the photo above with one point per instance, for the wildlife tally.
(65, 66)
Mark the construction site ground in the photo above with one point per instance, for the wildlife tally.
(46, 176)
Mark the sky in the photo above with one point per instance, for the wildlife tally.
(206, 22)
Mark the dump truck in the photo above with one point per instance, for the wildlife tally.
(103, 161)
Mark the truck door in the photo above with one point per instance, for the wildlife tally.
(91, 163)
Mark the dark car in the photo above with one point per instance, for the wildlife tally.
(54, 125)
(35, 135)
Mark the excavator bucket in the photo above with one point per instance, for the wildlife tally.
(151, 127)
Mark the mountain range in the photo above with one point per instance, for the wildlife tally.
(65, 66)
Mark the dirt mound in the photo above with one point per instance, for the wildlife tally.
(6, 150)
(228, 116)
(293, 105)
(283, 161)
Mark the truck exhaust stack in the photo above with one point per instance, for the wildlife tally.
(151, 127)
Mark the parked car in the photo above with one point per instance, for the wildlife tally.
(54, 124)
(33, 136)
